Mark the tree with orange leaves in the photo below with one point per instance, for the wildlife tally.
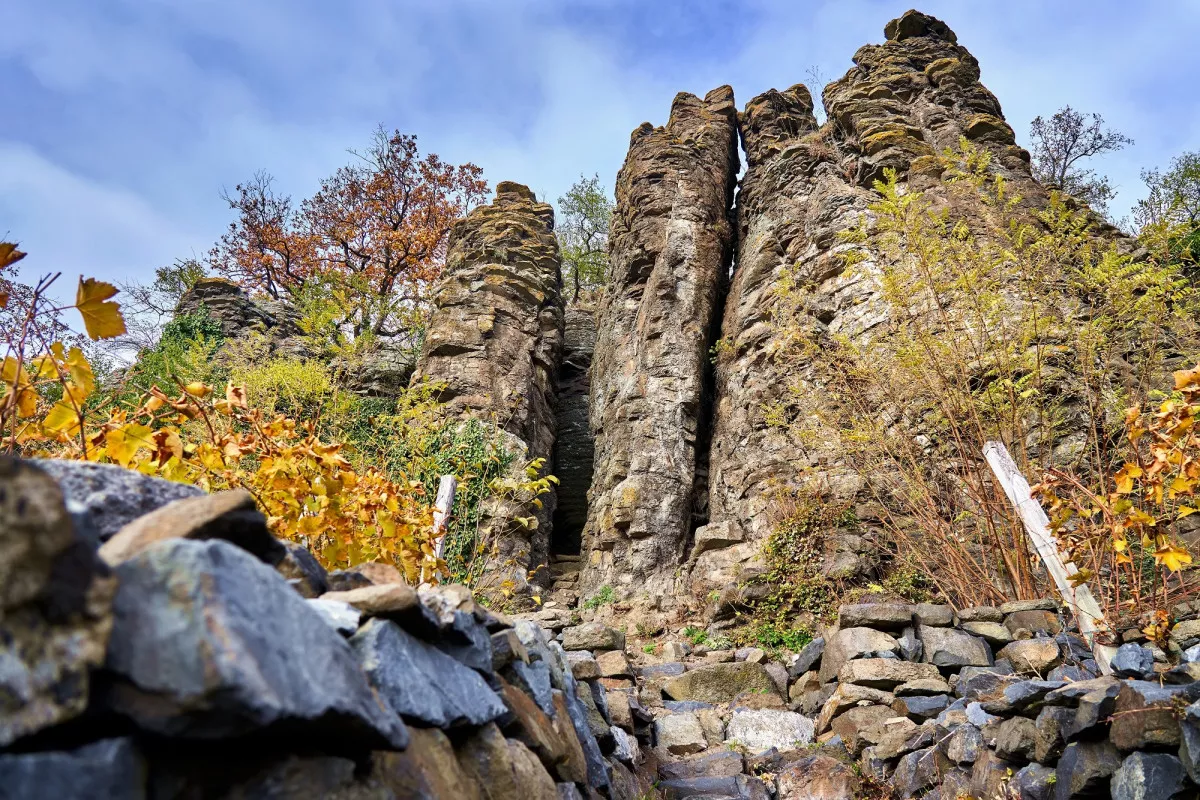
(370, 242)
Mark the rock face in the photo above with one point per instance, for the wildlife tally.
(495, 341)
(669, 247)
(230, 307)
(905, 100)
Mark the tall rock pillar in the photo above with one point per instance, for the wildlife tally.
(495, 340)
(669, 251)
(905, 101)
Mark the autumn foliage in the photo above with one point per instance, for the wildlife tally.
(308, 489)
(370, 241)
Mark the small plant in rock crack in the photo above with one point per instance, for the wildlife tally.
(649, 649)
(602, 597)
(697, 636)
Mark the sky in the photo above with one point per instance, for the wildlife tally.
(123, 120)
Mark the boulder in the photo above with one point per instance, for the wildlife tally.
(1053, 723)
(426, 770)
(980, 614)
(1133, 661)
(1149, 776)
(614, 664)
(302, 570)
(807, 658)
(680, 733)
(394, 601)
(993, 633)
(940, 616)
(108, 497)
(420, 682)
(1145, 716)
(111, 769)
(56, 600)
(1035, 782)
(846, 696)
(1037, 656)
(762, 730)
(853, 643)
(1018, 606)
(862, 726)
(209, 642)
(503, 769)
(592, 636)
(951, 648)
(884, 673)
(1086, 769)
(230, 515)
(1039, 623)
(881, 616)
(719, 683)
(533, 679)
(715, 764)
(817, 777)
(965, 744)
(1016, 739)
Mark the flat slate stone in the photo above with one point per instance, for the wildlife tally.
(764, 729)
(881, 616)
(1148, 776)
(1016, 606)
(420, 682)
(342, 617)
(807, 658)
(950, 647)
(112, 769)
(209, 642)
(1133, 661)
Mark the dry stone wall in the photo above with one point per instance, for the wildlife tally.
(669, 247)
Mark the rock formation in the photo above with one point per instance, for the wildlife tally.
(238, 315)
(669, 247)
(495, 342)
(913, 96)
(495, 338)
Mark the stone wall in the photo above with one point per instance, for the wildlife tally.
(668, 256)
(166, 646)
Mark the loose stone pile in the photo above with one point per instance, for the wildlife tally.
(159, 642)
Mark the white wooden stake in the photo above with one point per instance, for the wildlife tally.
(443, 506)
(1078, 598)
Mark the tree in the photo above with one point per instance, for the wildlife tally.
(583, 233)
(371, 240)
(1061, 142)
(1171, 210)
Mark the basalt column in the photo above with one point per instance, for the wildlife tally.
(905, 102)
(495, 341)
(669, 249)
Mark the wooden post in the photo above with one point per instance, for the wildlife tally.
(1078, 598)
(443, 507)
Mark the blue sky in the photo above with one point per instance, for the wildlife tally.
(123, 119)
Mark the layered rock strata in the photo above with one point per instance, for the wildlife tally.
(574, 446)
(906, 100)
(669, 247)
(495, 342)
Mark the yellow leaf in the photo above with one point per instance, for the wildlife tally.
(101, 317)
(1172, 557)
(80, 371)
(1185, 511)
(9, 255)
(61, 419)
(198, 389)
(1125, 476)
(1186, 377)
(123, 443)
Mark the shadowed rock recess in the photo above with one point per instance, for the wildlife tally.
(669, 248)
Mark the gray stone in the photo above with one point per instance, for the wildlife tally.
(778, 673)
(1144, 716)
(807, 658)
(978, 716)
(981, 614)
(920, 708)
(681, 734)
(302, 570)
(738, 787)
(939, 616)
(1017, 606)
(597, 772)
(194, 656)
(1085, 770)
(853, 643)
(1133, 661)
(1035, 782)
(507, 648)
(1037, 656)
(1016, 739)
(592, 636)
(1148, 776)
(1053, 723)
(685, 706)
(715, 764)
(1038, 623)
(965, 744)
(918, 770)
(420, 682)
(108, 496)
(112, 769)
(762, 730)
(846, 696)
(342, 617)
(720, 683)
(56, 600)
(950, 648)
(923, 686)
(625, 747)
(884, 673)
(881, 616)
(534, 680)
(993, 633)
(1017, 698)
(911, 648)
(817, 777)
(669, 670)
